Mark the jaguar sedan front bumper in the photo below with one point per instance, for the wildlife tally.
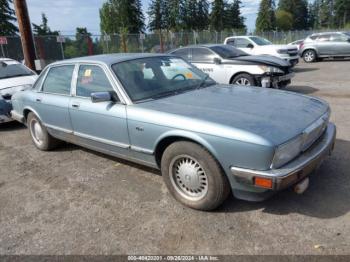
(292, 172)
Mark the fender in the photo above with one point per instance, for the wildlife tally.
(187, 135)
(29, 108)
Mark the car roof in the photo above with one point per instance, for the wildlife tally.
(108, 59)
(327, 33)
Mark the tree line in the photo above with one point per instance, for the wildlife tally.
(303, 15)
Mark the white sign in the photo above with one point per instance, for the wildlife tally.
(142, 36)
(106, 37)
(61, 39)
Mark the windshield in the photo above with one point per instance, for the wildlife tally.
(260, 41)
(157, 77)
(227, 51)
(9, 69)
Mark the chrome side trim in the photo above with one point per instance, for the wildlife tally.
(101, 140)
(59, 129)
(142, 150)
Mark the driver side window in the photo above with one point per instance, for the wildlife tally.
(92, 79)
(242, 43)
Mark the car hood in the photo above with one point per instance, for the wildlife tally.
(263, 60)
(271, 117)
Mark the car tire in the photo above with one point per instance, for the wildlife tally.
(193, 176)
(309, 56)
(38, 132)
(243, 80)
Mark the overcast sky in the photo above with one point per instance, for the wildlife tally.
(66, 15)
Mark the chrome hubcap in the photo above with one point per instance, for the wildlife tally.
(188, 178)
(36, 132)
(243, 82)
(309, 56)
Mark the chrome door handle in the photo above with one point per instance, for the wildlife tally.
(38, 99)
(75, 105)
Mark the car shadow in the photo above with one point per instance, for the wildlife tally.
(11, 126)
(304, 69)
(327, 196)
(301, 89)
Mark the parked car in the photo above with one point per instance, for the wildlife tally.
(323, 45)
(228, 65)
(255, 45)
(161, 111)
(14, 77)
(297, 43)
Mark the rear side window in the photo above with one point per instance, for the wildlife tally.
(230, 42)
(339, 38)
(184, 53)
(58, 80)
(92, 79)
(324, 38)
(202, 55)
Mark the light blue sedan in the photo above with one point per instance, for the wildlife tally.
(160, 111)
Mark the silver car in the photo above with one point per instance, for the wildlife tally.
(158, 110)
(229, 65)
(323, 45)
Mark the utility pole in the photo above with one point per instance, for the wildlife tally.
(26, 32)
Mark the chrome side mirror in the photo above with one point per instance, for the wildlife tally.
(101, 97)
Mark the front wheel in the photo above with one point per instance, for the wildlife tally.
(309, 56)
(193, 176)
(243, 80)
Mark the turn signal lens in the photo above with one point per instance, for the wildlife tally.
(263, 182)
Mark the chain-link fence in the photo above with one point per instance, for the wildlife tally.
(53, 48)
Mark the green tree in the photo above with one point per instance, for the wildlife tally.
(217, 16)
(313, 15)
(342, 12)
(157, 19)
(81, 46)
(284, 20)
(233, 17)
(189, 15)
(326, 13)
(266, 19)
(172, 13)
(202, 16)
(122, 15)
(7, 19)
(299, 11)
(43, 29)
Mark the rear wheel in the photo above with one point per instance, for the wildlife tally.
(309, 56)
(41, 138)
(193, 176)
(243, 80)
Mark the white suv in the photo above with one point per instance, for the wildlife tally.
(255, 45)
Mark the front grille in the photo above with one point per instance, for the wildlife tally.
(293, 52)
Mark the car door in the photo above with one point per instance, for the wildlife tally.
(341, 44)
(51, 102)
(203, 58)
(101, 124)
(324, 45)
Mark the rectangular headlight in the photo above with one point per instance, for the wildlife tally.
(287, 151)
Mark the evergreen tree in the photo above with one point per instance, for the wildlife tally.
(189, 15)
(284, 20)
(202, 15)
(157, 19)
(233, 17)
(266, 19)
(299, 11)
(7, 18)
(122, 16)
(173, 14)
(217, 16)
(326, 13)
(342, 12)
(43, 28)
(313, 15)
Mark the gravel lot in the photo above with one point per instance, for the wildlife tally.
(75, 201)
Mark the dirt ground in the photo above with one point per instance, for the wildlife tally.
(75, 201)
